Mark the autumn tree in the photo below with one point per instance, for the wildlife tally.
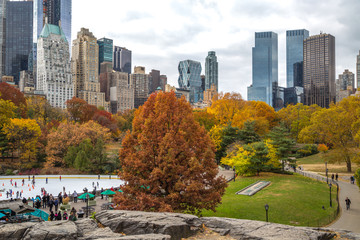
(337, 127)
(168, 160)
(8, 92)
(23, 135)
(205, 119)
(7, 112)
(71, 134)
(251, 159)
(80, 110)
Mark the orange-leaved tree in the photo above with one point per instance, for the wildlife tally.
(8, 92)
(168, 160)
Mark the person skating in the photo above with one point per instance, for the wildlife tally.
(348, 202)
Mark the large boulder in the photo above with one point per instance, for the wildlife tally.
(136, 223)
(14, 231)
(57, 230)
(247, 229)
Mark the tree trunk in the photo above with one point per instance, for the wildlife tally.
(348, 164)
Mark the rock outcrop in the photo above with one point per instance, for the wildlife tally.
(131, 225)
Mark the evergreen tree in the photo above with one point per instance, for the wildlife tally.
(283, 143)
(248, 134)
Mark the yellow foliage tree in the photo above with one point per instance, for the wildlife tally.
(23, 136)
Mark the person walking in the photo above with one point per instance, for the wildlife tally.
(352, 179)
(348, 202)
(75, 195)
(56, 204)
(336, 177)
(332, 177)
(102, 196)
(51, 204)
(44, 201)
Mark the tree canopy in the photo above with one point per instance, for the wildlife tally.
(168, 160)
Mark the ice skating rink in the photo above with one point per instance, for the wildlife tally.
(55, 186)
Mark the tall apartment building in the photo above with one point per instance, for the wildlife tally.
(189, 79)
(163, 82)
(264, 68)
(358, 70)
(319, 70)
(154, 80)
(211, 71)
(345, 85)
(85, 69)
(18, 37)
(294, 52)
(118, 90)
(122, 59)
(53, 69)
(140, 81)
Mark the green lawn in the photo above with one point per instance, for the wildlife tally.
(313, 159)
(292, 200)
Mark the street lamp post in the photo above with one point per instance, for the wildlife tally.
(87, 205)
(330, 185)
(327, 175)
(266, 209)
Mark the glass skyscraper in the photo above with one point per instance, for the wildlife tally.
(105, 50)
(2, 36)
(122, 59)
(211, 71)
(189, 79)
(294, 52)
(264, 68)
(57, 11)
(19, 25)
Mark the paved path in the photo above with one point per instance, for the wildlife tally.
(349, 219)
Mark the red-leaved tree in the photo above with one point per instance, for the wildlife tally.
(168, 160)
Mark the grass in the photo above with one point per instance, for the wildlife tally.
(292, 199)
(316, 163)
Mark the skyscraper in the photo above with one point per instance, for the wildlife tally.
(358, 70)
(118, 90)
(57, 12)
(85, 69)
(154, 80)
(294, 52)
(140, 81)
(319, 70)
(345, 85)
(189, 79)
(122, 59)
(2, 35)
(19, 16)
(53, 68)
(211, 71)
(264, 68)
(105, 50)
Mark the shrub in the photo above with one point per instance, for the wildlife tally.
(307, 150)
(357, 177)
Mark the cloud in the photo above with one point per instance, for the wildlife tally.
(161, 33)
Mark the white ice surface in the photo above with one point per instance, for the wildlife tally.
(55, 186)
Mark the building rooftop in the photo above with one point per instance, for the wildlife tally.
(52, 29)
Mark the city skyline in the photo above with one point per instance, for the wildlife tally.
(189, 29)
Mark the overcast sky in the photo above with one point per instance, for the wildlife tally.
(161, 33)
